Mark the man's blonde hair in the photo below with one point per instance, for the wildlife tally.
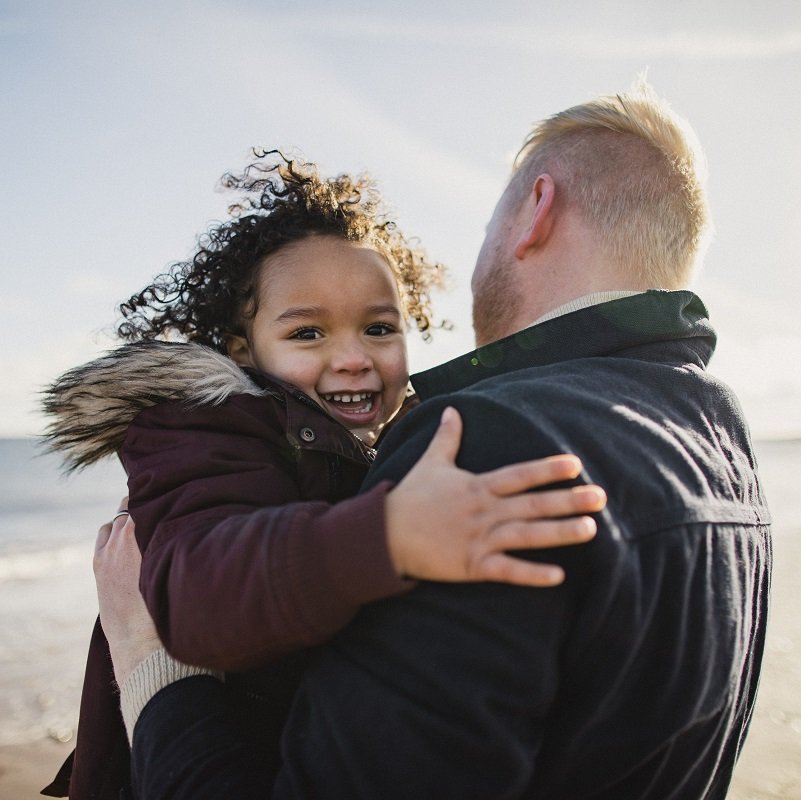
(635, 172)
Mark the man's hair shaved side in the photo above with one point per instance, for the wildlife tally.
(635, 172)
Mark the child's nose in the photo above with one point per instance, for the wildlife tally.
(352, 358)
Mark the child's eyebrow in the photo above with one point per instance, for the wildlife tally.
(299, 312)
(307, 312)
(384, 309)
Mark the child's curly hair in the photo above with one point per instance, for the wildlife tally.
(213, 295)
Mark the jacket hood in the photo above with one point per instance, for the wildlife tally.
(91, 406)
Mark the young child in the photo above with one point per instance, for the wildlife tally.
(243, 442)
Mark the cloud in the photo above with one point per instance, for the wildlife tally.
(716, 46)
(691, 44)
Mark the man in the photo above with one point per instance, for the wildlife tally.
(636, 677)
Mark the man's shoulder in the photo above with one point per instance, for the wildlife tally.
(622, 392)
(668, 438)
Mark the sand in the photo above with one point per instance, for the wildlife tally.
(770, 766)
(23, 766)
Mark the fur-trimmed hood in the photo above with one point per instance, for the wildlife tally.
(91, 406)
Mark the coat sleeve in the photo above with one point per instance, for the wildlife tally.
(236, 570)
(189, 745)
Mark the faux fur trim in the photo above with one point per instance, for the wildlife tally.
(91, 406)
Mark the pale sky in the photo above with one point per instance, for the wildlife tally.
(117, 120)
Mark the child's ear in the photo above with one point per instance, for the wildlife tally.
(239, 350)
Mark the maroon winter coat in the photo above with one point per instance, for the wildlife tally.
(246, 565)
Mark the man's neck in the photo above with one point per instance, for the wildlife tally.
(585, 301)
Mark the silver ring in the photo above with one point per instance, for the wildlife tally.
(122, 513)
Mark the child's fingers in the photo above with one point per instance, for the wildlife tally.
(502, 568)
(447, 438)
(541, 533)
(531, 474)
(551, 503)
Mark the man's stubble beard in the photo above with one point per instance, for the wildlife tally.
(497, 300)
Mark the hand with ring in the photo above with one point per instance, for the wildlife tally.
(125, 620)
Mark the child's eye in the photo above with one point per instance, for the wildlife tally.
(380, 329)
(306, 334)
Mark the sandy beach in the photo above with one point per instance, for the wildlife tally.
(40, 687)
(770, 766)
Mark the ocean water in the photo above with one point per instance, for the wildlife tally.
(48, 524)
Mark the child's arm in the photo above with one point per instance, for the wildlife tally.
(236, 570)
(233, 585)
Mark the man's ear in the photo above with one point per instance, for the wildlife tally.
(239, 350)
(539, 209)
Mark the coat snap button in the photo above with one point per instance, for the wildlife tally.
(307, 434)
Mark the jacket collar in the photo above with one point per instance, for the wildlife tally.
(618, 327)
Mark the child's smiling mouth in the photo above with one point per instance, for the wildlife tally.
(350, 403)
(359, 412)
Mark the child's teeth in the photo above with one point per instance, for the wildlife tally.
(348, 398)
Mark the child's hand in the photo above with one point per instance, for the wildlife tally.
(447, 524)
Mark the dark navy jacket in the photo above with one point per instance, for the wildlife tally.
(634, 679)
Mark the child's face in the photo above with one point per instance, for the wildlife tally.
(329, 321)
